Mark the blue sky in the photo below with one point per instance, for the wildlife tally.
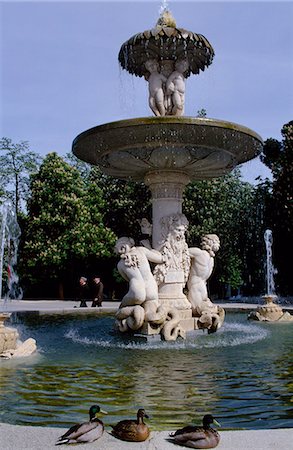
(60, 74)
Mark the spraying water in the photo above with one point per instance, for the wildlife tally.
(268, 237)
(9, 241)
(164, 7)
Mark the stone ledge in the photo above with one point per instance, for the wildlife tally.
(17, 437)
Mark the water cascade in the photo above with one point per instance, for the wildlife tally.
(9, 241)
(10, 234)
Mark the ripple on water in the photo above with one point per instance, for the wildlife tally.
(230, 335)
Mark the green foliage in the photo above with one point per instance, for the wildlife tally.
(201, 113)
(17, 163)
(232, 272)
(64, 226)
(222, 206)
(279, 156)
(125, 203)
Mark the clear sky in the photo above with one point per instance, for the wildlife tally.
(60, 74)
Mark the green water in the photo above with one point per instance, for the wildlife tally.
(243, 375)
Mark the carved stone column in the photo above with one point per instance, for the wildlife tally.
(167, 191)
(167, 195)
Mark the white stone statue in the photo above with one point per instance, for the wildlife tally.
(173, 247)
(134, 267)
(140, 305)
(156, 82)
(175, 87)
(202, 263)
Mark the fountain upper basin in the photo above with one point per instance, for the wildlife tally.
(202, 148)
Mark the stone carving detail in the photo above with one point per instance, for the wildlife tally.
(172, 329)
(164, 190)
(166, 93)
(10, 345)
(270, 311)
(173, 247)
(23, 349)
(202, 263)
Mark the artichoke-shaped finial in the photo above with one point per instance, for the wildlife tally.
(166, 20)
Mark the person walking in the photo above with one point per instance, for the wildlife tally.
(98, 291)
(83, 292)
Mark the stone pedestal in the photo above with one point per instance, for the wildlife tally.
(270, 312)
(8, 336)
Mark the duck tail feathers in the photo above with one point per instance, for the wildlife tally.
(62, 441)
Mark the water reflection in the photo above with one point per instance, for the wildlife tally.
(241, 374)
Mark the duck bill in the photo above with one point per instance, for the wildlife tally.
(146, 416)
(101, 412)
(216, 422)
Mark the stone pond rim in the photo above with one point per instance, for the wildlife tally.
(201, 148)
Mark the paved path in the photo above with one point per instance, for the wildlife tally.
(69, 306)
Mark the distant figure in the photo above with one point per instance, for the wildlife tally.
(98, 290)
(83, 292)
(175, 87)
(156, 88)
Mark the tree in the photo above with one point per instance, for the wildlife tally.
(64, 229)
(223, 206)
(17, 163)
(126, 202)
(279, 157)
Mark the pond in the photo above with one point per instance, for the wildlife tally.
(242, 375)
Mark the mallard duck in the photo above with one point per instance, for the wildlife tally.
(132, 430)
(85, 432)
(198, 437)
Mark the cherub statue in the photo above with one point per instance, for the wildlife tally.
(202, 264)
(156, 82)
(175, 87)
(141, 302)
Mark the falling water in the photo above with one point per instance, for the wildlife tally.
(268, 237)
(164, 7)
(9, 240)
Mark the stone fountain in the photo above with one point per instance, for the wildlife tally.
(270, 311)
(166, 152)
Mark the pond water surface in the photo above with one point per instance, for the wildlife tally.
(242, 374)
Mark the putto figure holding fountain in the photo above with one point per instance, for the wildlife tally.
(166, 152)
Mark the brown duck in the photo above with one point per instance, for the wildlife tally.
(198, 437)
(132, 430)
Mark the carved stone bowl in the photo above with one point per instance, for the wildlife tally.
(166, 42)
(199, 147)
